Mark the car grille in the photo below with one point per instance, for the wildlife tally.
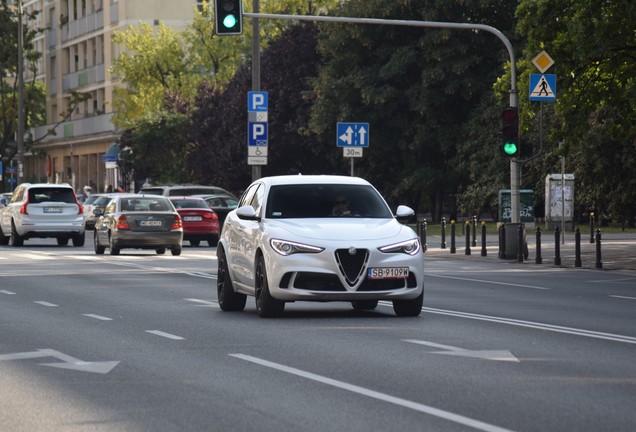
(387, 284)
(352, 266)
(315, 282)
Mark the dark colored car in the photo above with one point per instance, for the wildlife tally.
(200, 222)
(138, 222)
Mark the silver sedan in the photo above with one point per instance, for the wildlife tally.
(318, 238)
(138, 222)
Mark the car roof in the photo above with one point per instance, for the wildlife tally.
(180, 197)
(313, 179)
(32, 185)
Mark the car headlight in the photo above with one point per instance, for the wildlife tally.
(409, 247)
(286, 248)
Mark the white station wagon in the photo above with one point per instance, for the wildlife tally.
(318, 238)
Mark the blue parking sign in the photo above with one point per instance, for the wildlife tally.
(257, 133)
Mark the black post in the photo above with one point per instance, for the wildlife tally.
(474, 230)
(453, 249)
(599, 263)
(423, 229)
(467, 252)
(520, 239)
(502, 241)
(484, 252)
(557, 246)
(443, 246)
(538, 259)
(577, 248)
(591, 227)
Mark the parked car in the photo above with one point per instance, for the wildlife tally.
(132, 221)
(4, 198)
(221, 204)
(292, 239)
(183, 190)
(95, 201)
(42, 210)
(200, 222)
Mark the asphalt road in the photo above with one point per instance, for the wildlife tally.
(137, 343)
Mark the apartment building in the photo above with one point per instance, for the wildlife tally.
(78, 51)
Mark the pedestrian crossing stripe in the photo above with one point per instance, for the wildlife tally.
(542, 87)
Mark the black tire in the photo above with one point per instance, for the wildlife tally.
(16, 239)
(79, 239)
(364, 305)
(114, 249)
(4, 240)
(195, 242)
(229, 300)
(213, 241)
(62, 241)
(161, 250)
(99, 250)
(266, 305)
(409, 308)
(176, 251)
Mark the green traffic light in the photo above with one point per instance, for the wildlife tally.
(510, 149)
(229, 21)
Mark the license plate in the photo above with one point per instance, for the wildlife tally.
(150, 223)
(388, 272)
(192, 218)
(52, 209)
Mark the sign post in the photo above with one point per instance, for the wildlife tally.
(257, 128)
(352, 137)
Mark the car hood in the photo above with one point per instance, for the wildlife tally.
(337, 229)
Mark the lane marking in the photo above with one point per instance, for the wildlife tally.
(623, 297)
(99, 317)
(203, 303)
(489, 282)
(7, 292)
(426, 409)
(166, 335)
(495, 355)
(33, 256)
(43, 303)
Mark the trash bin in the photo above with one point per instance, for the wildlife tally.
(512, 240)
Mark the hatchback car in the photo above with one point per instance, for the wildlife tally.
(291, 239)
(200, 222)
(138, 222)
(42, 210)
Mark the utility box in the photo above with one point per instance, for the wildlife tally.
(526, 206)
(559, 201)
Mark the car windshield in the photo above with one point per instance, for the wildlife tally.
(144, 204)
(325, 201)
(189, 203)
(54, 194)
(102, 201)
(90, 199)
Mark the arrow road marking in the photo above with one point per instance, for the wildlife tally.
(68, 362)
(496, 355)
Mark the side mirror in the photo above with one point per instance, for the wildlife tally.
(247, 213)
(404, 213)
(98, 212)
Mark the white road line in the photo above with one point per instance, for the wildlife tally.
(203, 302)
(456, 418)
(43, 303)
(99, 317)
(623, 297)
(166, 335)
(33, 256)
(7, 292)
(488, 282)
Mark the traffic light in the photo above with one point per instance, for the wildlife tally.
(228, 17)
(510, 132)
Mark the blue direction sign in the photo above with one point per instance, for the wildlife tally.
(256, 101)
(543, 87)
(257, 133)
(352, 135)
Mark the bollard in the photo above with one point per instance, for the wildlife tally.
(443, 246)
(520, 239)
(474, 231)
(467, 252)
(484, 252)
(421, 232)
(599, 263)
(577, 248)
(538, 259)
(557, 247)
(502, 241)
(453, 250)
(591, 227)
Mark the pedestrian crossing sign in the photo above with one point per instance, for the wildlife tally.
(543, 87)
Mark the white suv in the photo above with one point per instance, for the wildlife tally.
(42, 210)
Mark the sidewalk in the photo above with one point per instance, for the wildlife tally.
(618, 250)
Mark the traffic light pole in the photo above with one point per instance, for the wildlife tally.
(515, 170)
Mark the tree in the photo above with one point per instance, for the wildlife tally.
(594, 49)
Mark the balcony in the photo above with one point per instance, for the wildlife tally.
(77, 128)
(83, 78)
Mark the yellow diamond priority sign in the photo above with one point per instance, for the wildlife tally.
(543, 61)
